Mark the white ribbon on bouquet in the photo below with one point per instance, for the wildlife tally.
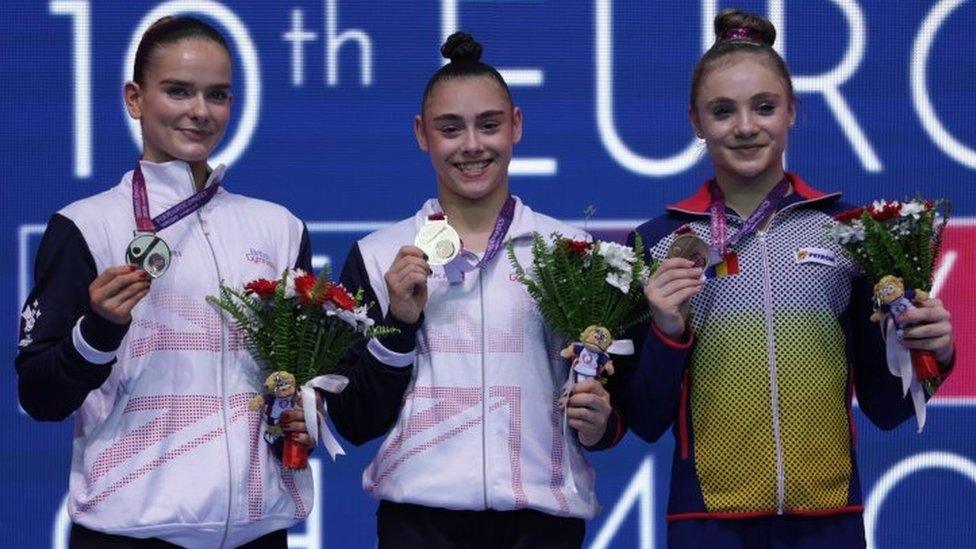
(319, 430)
(900, 366)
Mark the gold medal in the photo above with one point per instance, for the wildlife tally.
(150, 253)
(690, 247)
(439, 241)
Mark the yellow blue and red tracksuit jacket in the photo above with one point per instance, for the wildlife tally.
(759, 394)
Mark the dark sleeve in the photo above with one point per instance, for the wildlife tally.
(878, 392)
(53, 377)
(652, 391)
(304, 259)
(370, 404)
(649, 388)
(616, 425)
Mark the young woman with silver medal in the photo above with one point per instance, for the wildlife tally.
(117, 330)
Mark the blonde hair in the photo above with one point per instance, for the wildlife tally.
(272, 382)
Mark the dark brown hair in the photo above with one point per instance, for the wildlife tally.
(168, 30)
(465, 55)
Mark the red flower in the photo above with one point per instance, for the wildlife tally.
(890, 210)
(303, 289)
(849, 215)
(262, 287)
(338, 295)
(578, 247)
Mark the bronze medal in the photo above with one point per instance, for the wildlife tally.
(690, 247)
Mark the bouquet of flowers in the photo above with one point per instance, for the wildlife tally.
(589, 293)
(297, 327)
(897, 244)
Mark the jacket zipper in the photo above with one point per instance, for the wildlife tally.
(484, 393)
(223, 390)
(683, 415)
(773, 381)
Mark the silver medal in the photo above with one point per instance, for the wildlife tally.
(150, 253)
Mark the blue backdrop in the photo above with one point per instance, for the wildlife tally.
(325, 93)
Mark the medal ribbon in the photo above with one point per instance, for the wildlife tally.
(459, 265)
(140, 205)
(719, 228)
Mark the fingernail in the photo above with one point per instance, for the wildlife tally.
(426, 258)
(143, 274)
(132, 268)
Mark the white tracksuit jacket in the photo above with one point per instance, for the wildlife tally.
(164, 444)
(479, 427)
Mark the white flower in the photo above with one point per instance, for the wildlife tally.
(620, 280)
(913, 209)
(357, 318)
(290, 287)
(644, 275)
(551, 241)
(292, 274)
(845, 233)
(618, 257)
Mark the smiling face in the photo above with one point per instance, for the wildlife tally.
(743, 112)
(469, 128)
(183, 104)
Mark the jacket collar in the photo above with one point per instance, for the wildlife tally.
(698, 203)
(523, 222)
(171, 182)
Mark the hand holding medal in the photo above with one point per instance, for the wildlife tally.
(669, 292)
(406, 282)
(679, 278)
(116, 291)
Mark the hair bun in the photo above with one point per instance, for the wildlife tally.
(734, 24)
(460, 47)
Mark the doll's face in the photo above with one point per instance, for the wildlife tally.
(284, 387)
(889, 292)
(597, 337)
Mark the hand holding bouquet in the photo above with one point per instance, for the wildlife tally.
(897, 244)
(297, 327)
